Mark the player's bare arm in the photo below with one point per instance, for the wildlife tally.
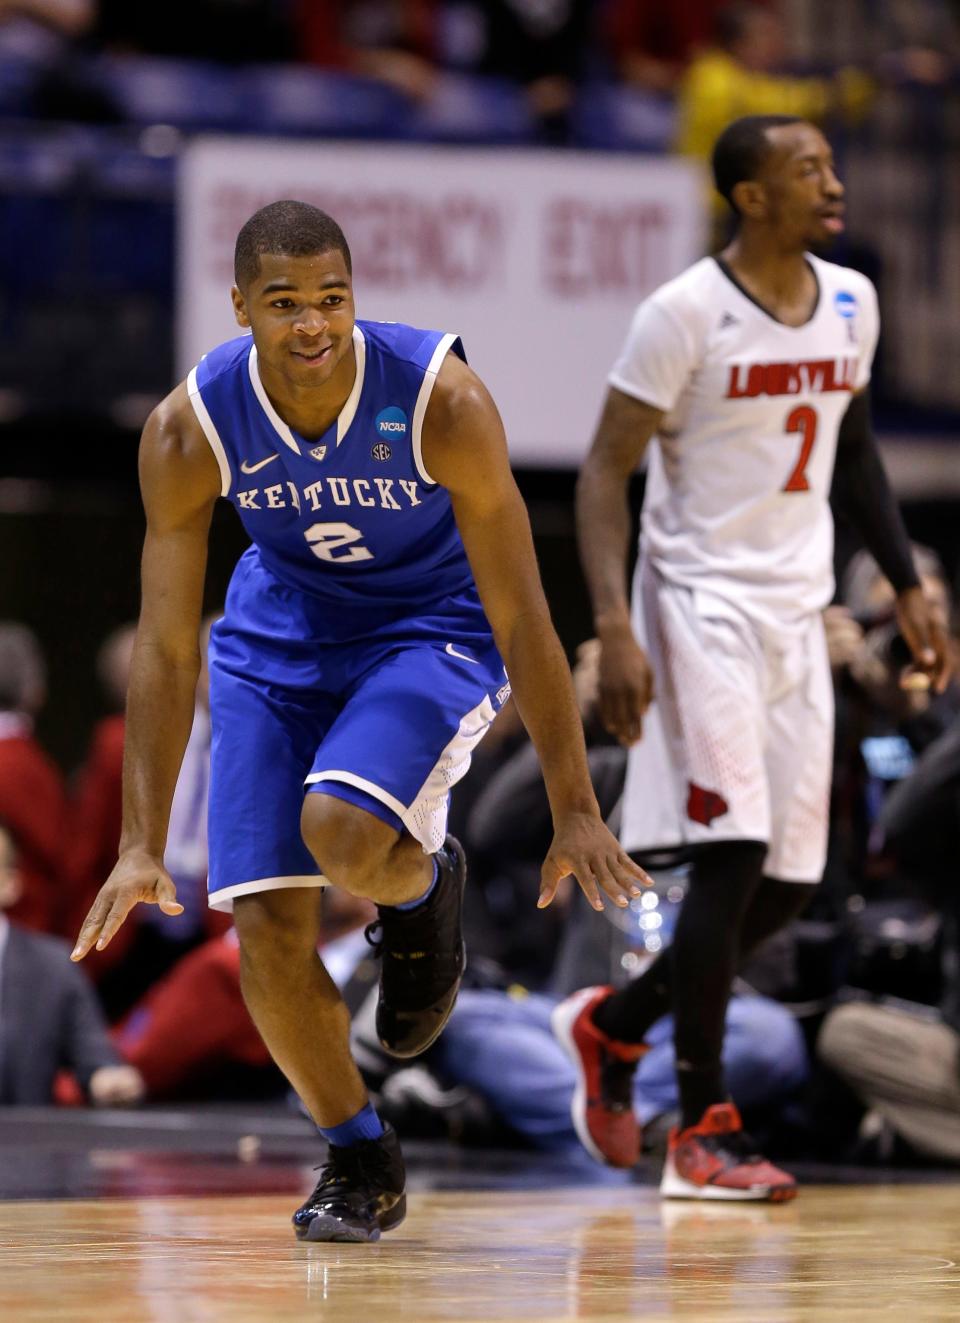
(861, 488)
(180, 482)
(603, 532)
(465, 450)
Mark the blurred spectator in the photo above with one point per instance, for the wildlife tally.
(185, 856)
(37, 30)
(922, 38)
(482, 910)
(542, 44)
(868, 604)
(216, 1053)
(32, 800)
(94, 836)
(149, 944)
(881, 727)
(920, 821)
(497, 1058)
(501, 1045)
(902, 1060)
(509, 829)
(49, 1016)
(652, 44)
(895, 1037)
(741, 75)
(229, 31)
(394, 41)
(220, 1053)
(903, 1063)
(45, 38)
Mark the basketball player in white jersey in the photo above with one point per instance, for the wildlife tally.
(750, 372)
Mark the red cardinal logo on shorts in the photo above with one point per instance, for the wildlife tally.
(705, 805)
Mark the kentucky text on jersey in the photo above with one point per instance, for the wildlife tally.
(816, 376)
(375, 493)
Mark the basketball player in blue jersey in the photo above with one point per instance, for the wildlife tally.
(359, 660)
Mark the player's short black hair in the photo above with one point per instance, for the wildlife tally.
(292, 229)
(739, 151)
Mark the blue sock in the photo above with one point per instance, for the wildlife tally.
(365, 1125)
(412, 904)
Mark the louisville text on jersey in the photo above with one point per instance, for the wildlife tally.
(808, 377)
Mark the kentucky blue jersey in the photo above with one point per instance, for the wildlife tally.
(351, 521)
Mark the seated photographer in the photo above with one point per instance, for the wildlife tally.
(502, 1046)
(894, 1037)
(902, 1058)
(885, 718)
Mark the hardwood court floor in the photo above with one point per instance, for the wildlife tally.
(847, 1253)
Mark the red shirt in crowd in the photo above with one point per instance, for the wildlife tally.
(33, 806)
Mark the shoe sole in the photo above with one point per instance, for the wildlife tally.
(325, 1228)
(673, 1186)
(562, 1019)
(417, 1051)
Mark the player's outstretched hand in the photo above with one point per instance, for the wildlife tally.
(925, 631)
(135, 878)
(582, 845)
(626, 684)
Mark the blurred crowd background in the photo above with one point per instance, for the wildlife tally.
(97, 100)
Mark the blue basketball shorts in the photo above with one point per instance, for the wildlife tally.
(390, 727)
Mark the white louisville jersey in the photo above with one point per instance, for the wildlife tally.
(737, 499)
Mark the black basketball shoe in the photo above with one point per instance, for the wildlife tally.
(423, 960)
(359, 1193)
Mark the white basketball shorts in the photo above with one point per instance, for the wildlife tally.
(738, 743)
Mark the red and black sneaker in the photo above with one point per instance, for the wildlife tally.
(602, 1108)
(715, 1160)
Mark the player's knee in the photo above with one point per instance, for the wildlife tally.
(854, 1038)
(348, 844)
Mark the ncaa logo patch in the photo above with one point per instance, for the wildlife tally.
(845, 304)
(391, 422)
(381, 451)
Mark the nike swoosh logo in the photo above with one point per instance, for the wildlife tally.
(462, 655)
(246, 467)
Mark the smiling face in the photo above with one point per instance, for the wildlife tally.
(796, 191)
(301, 313)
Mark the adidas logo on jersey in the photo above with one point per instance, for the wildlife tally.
(728, 319)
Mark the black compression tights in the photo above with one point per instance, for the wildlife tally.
(729, 909)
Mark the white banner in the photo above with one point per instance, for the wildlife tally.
(536, 258)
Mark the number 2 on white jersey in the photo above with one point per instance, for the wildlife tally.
(802, 419)
(327, 539)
